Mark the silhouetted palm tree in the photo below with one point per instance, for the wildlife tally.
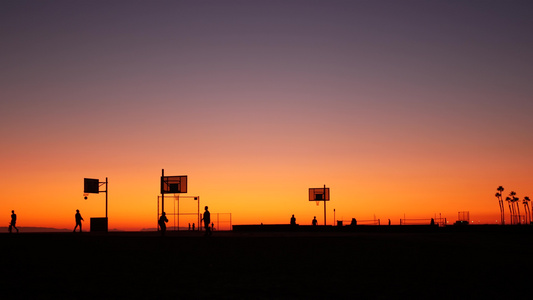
(514, 200)
(498, 195)
(500, 202)
(526, 208)
(508, 199)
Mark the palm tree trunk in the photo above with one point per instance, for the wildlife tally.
(502, 211)
(529, 212)
(514, 214)
(516, 221)
(511, 213)
(518, 210)
(500, 204)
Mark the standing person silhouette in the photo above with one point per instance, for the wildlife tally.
(78, 218)
(314, 221)
(293, 220)
(13, 222)
(162, 220)
(207, 220)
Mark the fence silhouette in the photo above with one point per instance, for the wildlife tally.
(441, 222)
(221, 221)
(375, 222)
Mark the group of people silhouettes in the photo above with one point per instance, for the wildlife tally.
(13, 223)
(314, 222)
(206, 218)
(162, 222)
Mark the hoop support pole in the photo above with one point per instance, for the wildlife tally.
(324, 204)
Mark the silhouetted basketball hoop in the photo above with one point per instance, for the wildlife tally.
(173, 184)
(320, 194)
(92, 186)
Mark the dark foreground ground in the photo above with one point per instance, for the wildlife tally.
(249, 265)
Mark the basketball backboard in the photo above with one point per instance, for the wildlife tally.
(319, 194)
(173, 184)
(91, 186)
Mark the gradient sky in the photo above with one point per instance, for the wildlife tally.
(400, 107)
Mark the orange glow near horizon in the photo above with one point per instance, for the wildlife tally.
(262, 195)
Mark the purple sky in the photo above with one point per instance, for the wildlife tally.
(344, 58)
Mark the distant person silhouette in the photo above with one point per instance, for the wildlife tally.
(389, 222)
(354, 222)
(314, 221)
(162, 220)
(13, 222)
(432, 222)
(293, 220)
(207, 220)
(78, 218)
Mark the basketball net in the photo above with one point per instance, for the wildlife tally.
(317, 203)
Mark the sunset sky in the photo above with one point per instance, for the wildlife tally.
(399, 107)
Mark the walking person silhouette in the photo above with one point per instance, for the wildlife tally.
(207, 221)
(13, 222)
(162, 220)
(78, 218)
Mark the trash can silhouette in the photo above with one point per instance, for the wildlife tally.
(98, 224)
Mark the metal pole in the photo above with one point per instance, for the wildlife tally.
(324, 205)
(199, 212)
(178, 212)
(162, 194)
(106, 192)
